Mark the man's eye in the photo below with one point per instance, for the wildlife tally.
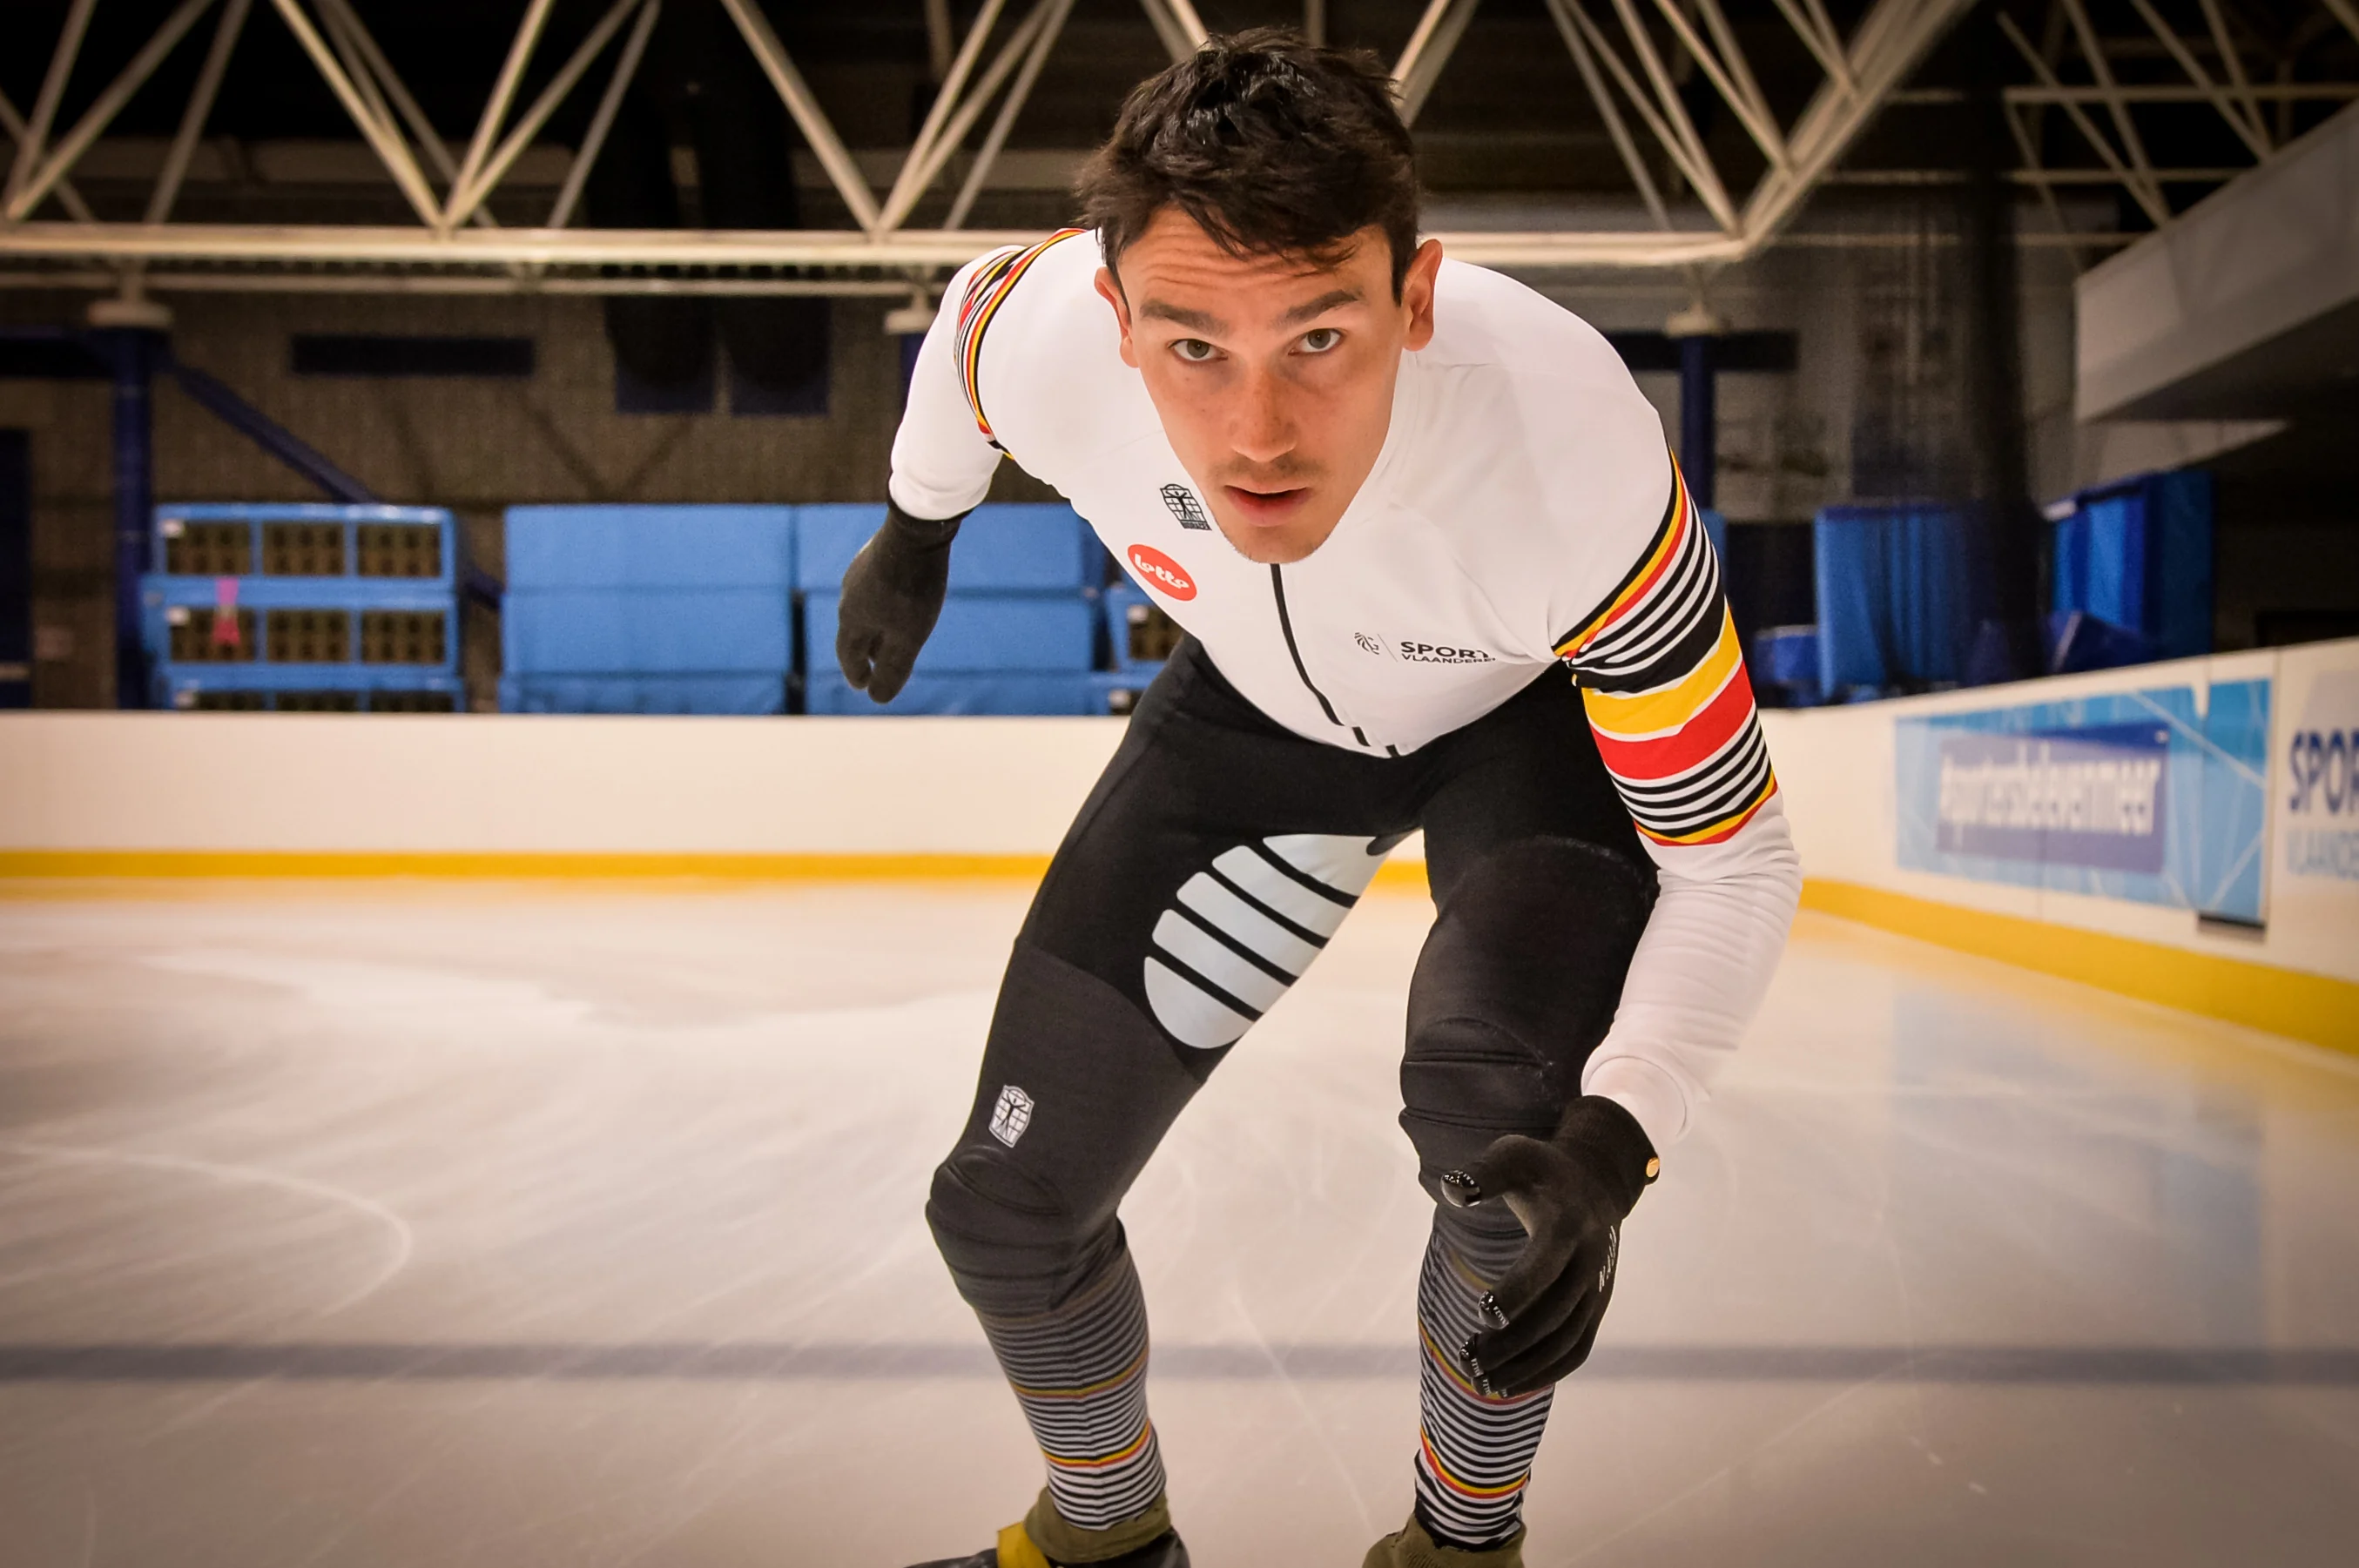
(1318, 340)
(1195, 350)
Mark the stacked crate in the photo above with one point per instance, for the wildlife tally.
(1018, 631)
(648, 610)
(1141, 638)
(311, 608)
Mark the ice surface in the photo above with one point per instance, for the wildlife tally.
(506, 1225)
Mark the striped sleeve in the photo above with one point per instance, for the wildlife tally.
(1664, 683)
(987, 289)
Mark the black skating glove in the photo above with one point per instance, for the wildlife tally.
(1571, 1194)
(891, 596)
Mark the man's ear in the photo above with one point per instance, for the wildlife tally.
(1110, 291)
(1417, 294)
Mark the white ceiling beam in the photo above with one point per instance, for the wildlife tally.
(1701, 178)
(941, 40)
(2030, 153)
(2234, 60)
(1751, 109)
(1886, 48)
(610, 103)
(199, 109)
(386, 141)
(1698, 166)
(108, 105)
(495, 111)
(33, 141)
(480, 283)
(378, 83)
(1177, 24)
(2117, 106)
(416, 245)
(1810, 24)
(1601, 96)
(12, 122)
(1018, 93)
(910, 187)
(1427, 50)
(471, 194)
(2149, 201)
(2248, 130)
(796, 93)
(2347, 14)
(906, 187)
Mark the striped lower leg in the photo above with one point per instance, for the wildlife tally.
(1081, 1374)
(1475, 1451)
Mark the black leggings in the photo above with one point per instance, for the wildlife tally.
(1105, 1030)
(1207, 869)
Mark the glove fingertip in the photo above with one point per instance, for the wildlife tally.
(1460, 1190)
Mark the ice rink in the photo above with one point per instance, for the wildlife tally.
(504, 1226)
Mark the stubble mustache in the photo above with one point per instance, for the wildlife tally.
(1284, 474)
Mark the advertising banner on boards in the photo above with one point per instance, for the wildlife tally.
(2314, 853)
(2157, 795)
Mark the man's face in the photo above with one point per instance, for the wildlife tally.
(1273, 376)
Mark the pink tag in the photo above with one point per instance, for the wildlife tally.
(226, 612)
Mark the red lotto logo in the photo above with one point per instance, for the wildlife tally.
(1160, 571)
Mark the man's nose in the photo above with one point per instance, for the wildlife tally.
(1264, 430)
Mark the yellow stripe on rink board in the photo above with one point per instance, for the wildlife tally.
(492, 864)
(2315, 1007)
(1408, 876)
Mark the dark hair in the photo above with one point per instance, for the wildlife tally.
(1273, 145)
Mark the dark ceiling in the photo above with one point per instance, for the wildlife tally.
(1508, 115)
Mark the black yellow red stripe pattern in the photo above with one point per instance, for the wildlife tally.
(1663, 680)
(1081, 1374)
(986, 291)
(1474, 1450)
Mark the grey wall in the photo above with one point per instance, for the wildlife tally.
(476, 447)
(1788, 444)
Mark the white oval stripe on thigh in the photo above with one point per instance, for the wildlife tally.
(1193, 1017)
(1183, 940)
(1343, 864)
(1199, 986)
(1233, 916)
(1313, 911)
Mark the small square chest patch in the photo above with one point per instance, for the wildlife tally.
(1011, 1116)
(1185, 507)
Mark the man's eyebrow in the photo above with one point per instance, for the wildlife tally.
(1201, 321)
(1320, 305)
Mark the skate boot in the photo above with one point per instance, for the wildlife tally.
(1410, 1547)
(1045, 1540)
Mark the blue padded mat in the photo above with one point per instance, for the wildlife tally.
(762, 693)
(650, 546)
(980, 631)
(1000, 548)
(1006, 692)
(646, 631)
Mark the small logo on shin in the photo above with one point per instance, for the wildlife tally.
(1011, 1116)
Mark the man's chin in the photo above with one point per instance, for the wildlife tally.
(1279, 544)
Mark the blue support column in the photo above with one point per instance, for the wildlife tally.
(1699, 415)
(131, 355)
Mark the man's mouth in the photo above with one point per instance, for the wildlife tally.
(1267, 507)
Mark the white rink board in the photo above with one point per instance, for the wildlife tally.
(1837, 766)
(484, 783)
